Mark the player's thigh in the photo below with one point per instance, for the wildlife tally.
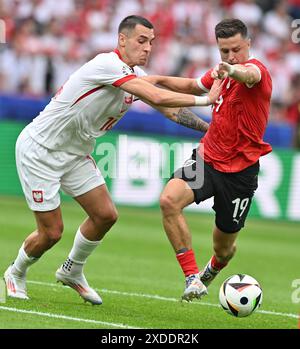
(86, 185)
(197, 176)
(176, 195)
(192, 171)
(50, 223)
(39, 174)
(98, 204)
(82, 178)
(233, 199)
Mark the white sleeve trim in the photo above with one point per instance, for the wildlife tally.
(201, 85)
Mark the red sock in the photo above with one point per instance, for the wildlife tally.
(187, 262)
(215, 264)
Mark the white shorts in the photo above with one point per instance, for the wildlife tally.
(43, 172)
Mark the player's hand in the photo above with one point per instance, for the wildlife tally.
(221, 71)
(226, 68)
(217, 73)
(215, 90)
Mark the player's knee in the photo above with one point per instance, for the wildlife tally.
(54, 238)
(54, 234)
(52, 231)
(106, 217)
(167, 203)
(113, 216)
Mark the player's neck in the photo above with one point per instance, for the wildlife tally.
(123, 57)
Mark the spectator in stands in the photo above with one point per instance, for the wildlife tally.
(64, 36)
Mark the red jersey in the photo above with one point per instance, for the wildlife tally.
(234, 139)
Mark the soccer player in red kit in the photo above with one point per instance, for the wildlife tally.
(226, 164)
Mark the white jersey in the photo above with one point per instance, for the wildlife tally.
(86, 106)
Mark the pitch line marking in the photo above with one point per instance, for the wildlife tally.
(168, 299)
(64, 317)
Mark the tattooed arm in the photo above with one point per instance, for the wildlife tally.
(185, 117)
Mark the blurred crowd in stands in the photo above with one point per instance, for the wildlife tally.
(46, 40)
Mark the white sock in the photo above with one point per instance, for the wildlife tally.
(82, 248)
(22, 262)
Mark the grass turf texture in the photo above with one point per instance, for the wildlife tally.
(137, 275)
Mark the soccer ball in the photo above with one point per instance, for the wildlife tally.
(240, 295)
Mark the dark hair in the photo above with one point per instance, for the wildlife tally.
(230, 27)
(130, 23)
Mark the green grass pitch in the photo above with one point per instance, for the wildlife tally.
(137, 275)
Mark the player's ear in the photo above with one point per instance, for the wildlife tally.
(122, 39)
(249, 42)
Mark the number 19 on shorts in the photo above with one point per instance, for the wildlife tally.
(239, 208)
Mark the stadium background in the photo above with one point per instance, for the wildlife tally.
(46, 42)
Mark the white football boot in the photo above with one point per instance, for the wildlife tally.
(194, 288)
(15, 285)
(78, 282)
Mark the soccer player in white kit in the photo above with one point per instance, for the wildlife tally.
(53, 152)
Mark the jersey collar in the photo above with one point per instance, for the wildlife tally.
(118, 53)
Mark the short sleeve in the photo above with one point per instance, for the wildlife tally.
(261, 69)
(205, 82)
(110, 70)
(255, 66)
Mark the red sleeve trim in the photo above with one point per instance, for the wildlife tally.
(118, 53)
(121, 81)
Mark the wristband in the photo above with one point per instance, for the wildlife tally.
(202, 101)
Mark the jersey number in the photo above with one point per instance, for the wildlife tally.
(108, 124)
(240, 205)
(219, 102)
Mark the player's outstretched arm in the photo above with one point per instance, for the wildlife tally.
(249, 75)
(185, 117)
(161, 97)
(178, 84)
